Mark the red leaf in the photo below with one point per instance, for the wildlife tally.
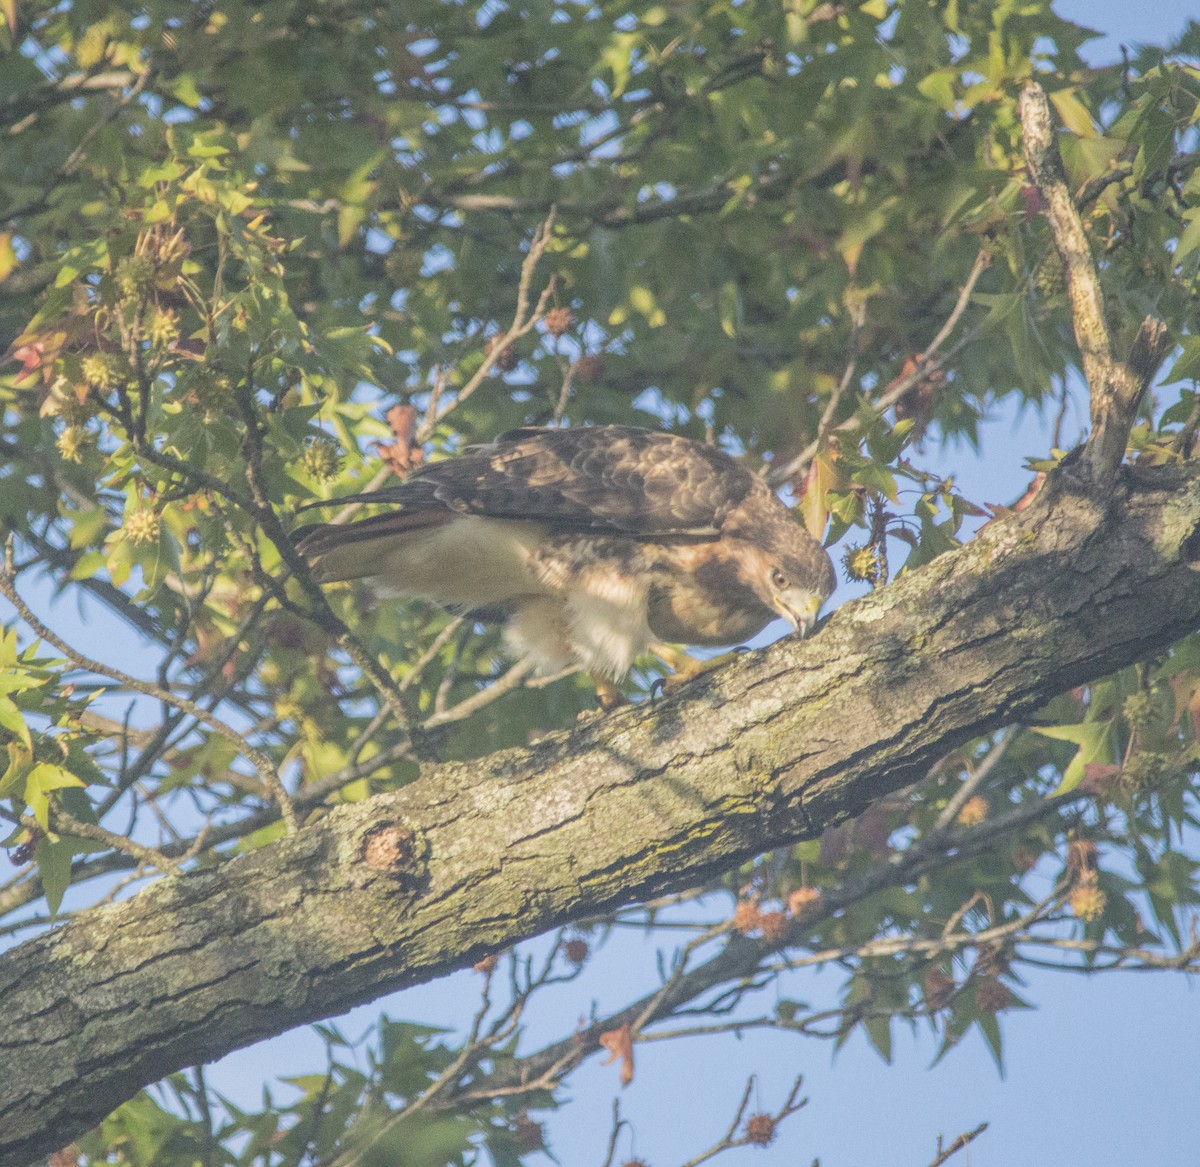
(30, 356)
(1032, 199)
(619, 1043)
(1100, 778)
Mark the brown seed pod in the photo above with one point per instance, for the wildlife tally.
(558, 320)
(760, 1129)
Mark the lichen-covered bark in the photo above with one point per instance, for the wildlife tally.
(474, 857)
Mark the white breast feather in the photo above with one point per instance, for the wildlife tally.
(538, 630)
(606, 615)
(595, 619)
(591, 614)
(471, 562)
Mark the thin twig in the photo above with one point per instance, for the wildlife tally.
(926, 363)
(261, 762)
(478, 1042)
(743, 956)
(728, 1140)
(73, 160)
(68, 824)
(511, 679)
(615, 1133)
(959, 1143)
(976, 778)
(523, 322)
(793, 1104)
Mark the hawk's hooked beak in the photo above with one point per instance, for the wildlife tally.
(799, 608)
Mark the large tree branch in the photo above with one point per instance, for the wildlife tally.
(1115, 385)
(474, 857)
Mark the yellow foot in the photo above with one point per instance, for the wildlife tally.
(608, 696)
(685, 668)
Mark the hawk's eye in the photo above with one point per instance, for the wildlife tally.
(778, 579)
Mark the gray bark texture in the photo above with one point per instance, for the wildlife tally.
(472, 858)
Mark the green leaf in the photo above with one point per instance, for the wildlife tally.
(877, 478)
(1074, 113)
(879, 1030)
(40, 783)
(54, 868)
(1189, 240)
(989, 1026)
(820, 478)
(1095, 742)
(11, 717)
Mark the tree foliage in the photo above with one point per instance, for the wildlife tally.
(258, 256)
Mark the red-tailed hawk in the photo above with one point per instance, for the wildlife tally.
(590, 543)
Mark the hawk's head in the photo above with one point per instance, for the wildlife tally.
(791, 574)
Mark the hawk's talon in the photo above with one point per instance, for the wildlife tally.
(688, 669)
(608, 695)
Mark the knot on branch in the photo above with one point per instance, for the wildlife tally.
(392, 849)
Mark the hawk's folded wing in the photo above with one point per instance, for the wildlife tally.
(615, 479)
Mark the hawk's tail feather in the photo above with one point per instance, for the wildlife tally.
(341, 551)
(391, 494)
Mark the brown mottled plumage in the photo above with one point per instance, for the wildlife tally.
(590, 543)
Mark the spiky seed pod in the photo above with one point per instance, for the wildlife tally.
(322, 457)
(1138, 709)
(576, 950)
(558, 320)
(973, 811)
(134, 276)
(1145, 771)
(589, 369)
(993, 997)
(862, 563)
(774, 927)
(745, 917)
(142, 526)
(103, 371)
(162, 327)
(804, 901)
(506, 360)
(938, 987)
(1087, 902)
(73, 443)
(529, 1134)
(760, 1129)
